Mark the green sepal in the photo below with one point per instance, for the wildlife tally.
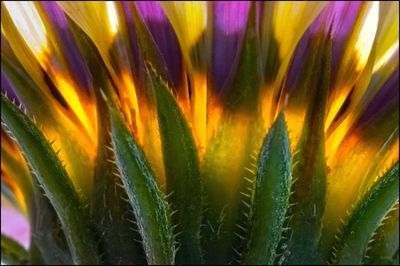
(271, 196)
(353, 240)
(45, 164)
(149, 204)
(182, 170)
(12, 253)
(309, 166)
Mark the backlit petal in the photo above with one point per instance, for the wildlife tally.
(164, 36)
(229, 25)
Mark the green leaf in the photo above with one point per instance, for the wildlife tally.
(52, 176)
(12, 253)
(309, 170)
(182, 171)
(271, 196)
(353, 240)
(148, 201)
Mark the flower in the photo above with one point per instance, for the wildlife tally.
(201, 132)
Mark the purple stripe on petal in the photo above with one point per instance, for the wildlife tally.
(70, 50)
(386, 97)
(229, 26)
(15, 225)
(259, 13)
(164, 36)
(133, 41)
(342, 17)
(299, 58)
(8, 88)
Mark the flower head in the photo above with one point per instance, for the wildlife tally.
(257, 132)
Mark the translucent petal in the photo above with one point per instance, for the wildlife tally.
(27, 19)
(360, 159)
(98, 19)
(290, 20)
(15, 171)
(189, 19)
(283, 25)
(355, 57)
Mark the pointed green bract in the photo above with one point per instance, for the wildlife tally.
(144, 195)
(350, 249)
(148, 47)
(309, 170)
(182, 171)
(228, 158)
(243, 93)
(46, 230)
(271, 196)
(149, 204)
(12, 253)
(111, 212)
(37, 103)
(385, 242)
(46, 166)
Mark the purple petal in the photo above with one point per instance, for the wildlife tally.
(70, 50)
(342, 17)
(229, 26)
(8, 88)
(386, 98)
(15, 225)
(164, 36)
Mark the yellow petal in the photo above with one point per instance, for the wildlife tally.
(355, 58)
(97, 19)
(290, 21)
(189, 20)
(19, 46)
(286, 23)
(15, 172)
(27, 20)
(383, 61)
(362, 157)
(388, 32)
